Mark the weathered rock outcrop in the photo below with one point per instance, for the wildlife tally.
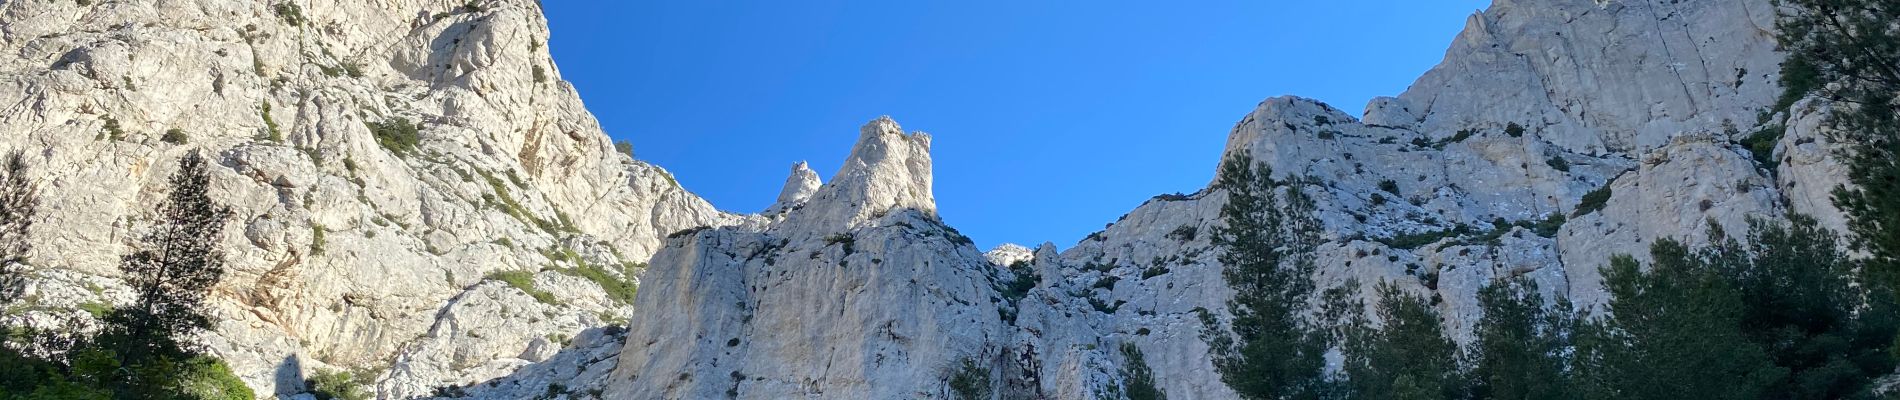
(1479, 172)
(420, 196)
(382, 158)
(860, 288)
(798, 188)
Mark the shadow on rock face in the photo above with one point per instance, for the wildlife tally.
(289, 377)
(579, 370)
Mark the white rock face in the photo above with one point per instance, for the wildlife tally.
(859, 289)
(798, 188)
(887, 170)
(353, 250)
(1601, 77)
(344, 252)
(1811, 166)
(1490, 156)
(1009, 254)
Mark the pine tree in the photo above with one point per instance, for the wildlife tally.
(20, 372)
(968, 381)
(1137, 377)
(1848, 51)
(1673, 331)
(172, 273)
(1407, 357)
(19, 201)
(1799, 304)
(1268, 349)
(1521, 343)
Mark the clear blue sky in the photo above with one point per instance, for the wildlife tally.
(1050, 118)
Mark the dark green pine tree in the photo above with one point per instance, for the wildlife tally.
(20, 372)
(19, 201)
(1521, 343)
(1849, 51)
(1137, 378)
(1407, 357)
(1799, 304)
(1268, 349)
(1673, 331)
(175, 268)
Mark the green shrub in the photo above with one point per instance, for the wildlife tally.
(501, 199)
(1389, 186)
(624, 147)
(1412, 241)
(1184, 233)
(1463, 134)
(669, 178)
(1761, 145)
(1514, 130)
(1558, 163)
(210, 379)
(98, 310)
(524, 281)
(516, 179)
(1549, 226)
(1799, 76)
(1593, 201)
(396, 134)
(1026, 278)
(290, 13)
(845, 239)
(270, 124)
(1136, 376)
(1154, 272)
(175, 136)
(540, 74)
(970, 382)
(620, 289)
(348, 68)
(112, 129)
(336, 385)
(317, 233)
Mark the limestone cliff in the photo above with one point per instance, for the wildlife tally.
(1478, 172)
(383, 158)
(419, 195)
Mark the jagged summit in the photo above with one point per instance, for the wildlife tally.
(1599, 77)
(363, 249)
(1009, 253)
(798, 187)
(888, 169)
(861, 276)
